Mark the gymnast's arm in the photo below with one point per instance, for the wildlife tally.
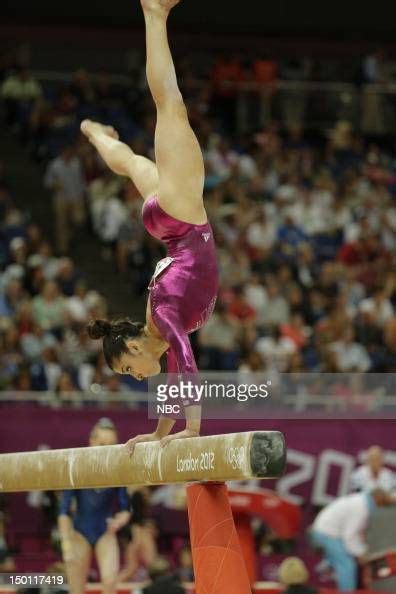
(122, 517)
(180, 361)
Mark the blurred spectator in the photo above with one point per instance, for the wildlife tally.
(378, 308)
(64, 177)
(294, 575)
(305, 230)
(185, 565)
(277, 309)
(373, 474)
(19, 91)
(276, 350)
(373, 100)
(163, 580)
(239, 308)
(219, 341)
(49, 307)
(349, 354)
(339, 531)
(141, 549)
(7, 564)
(226, 72)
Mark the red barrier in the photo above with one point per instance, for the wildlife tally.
(219, 566)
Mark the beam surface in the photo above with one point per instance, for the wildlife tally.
(235, 456)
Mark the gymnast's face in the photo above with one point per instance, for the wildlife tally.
(139, 362)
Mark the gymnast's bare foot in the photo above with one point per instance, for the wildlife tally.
(158, 6)
(90, 129)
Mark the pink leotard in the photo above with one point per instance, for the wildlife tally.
(184, 287)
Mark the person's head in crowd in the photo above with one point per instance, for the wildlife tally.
(295, 297)
(10, 337)
(103, 433)
(68, 151)
(65, 383)
(348, 335)
(375, 458)
(45, 249)
(14, 291)
(275, 332)
(273, 289)
(23, 73)
(296, 363)
(7, 563)
(23, 380)
(254, 361)
(159, 569)
(66, 269)
(112, 383)
(293, 572)
(50, 355)
(50, 291)
(34, 236)
(18, 250)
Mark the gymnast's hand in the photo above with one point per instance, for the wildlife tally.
(117, 522)
(186, 434)
(131, 444)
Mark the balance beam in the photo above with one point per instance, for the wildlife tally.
(236, 456)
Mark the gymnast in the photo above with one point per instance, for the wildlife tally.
(87, 524)
(183, 290)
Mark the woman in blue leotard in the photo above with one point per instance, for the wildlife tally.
(87, 524)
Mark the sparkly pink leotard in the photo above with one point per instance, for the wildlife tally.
(184, 287)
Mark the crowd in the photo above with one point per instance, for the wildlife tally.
(305, 232)
(45, 304)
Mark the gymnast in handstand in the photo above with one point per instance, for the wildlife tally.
(183, 290)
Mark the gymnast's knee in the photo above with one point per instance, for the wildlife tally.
(109, 582)
(171, 103)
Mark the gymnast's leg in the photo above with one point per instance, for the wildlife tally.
(121, 159)
(77, 562)
(178, 155)
(108, 559)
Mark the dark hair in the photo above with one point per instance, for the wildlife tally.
(114, 335)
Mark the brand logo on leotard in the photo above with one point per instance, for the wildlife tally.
(206, 236)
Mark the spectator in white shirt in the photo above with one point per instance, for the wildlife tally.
(261, 234)
(277, 310)
(373, 474)
(276, 350)
(378, 307)
(256, 295)
(64, 177)
(338, 530)
(350, 355)
(19, 90)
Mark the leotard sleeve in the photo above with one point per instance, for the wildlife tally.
(180, 357)
(123, 499)
(65, 502)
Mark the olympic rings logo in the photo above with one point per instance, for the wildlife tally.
(236, 457)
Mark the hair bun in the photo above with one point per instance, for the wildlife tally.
(98, 329)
